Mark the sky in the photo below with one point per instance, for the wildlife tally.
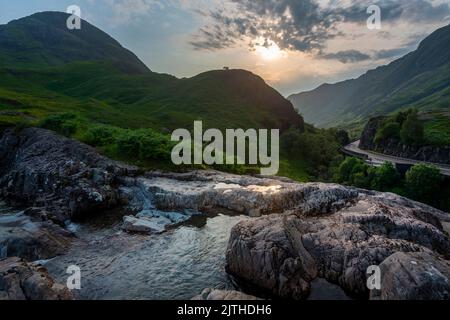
(295, 45)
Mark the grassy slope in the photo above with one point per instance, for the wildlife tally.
(134, 101)
(129, 101)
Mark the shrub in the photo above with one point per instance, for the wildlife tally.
(423, 183)
(385, 177)
(412, 131)
(353, 171)
(390, 130)
(144, 144)
(65, 124)
(100, 135)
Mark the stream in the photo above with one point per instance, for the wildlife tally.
(175, 265)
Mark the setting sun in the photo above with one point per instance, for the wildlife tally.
(270, 51)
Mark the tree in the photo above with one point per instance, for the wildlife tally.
(412, 131)
(423, 183)
(385, 177)
(342, 137)
(390, 130)
(354, 172)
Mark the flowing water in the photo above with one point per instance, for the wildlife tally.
(178, 264)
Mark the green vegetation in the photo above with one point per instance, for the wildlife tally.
(412, 129)
(388, 130)
(437, 130)
(405, 126)
(423, 183)
(316, 149)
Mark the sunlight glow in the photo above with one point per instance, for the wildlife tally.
(270, 51)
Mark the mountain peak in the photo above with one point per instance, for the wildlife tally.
(43, 39)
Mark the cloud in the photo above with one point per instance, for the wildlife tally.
(348, 56)
(391, 53)
(305, 25)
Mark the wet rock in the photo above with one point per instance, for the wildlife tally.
(143, 225)
(42, 169)
(22, 281)
(21, 236)
(254, 196)
(414, 276)
(283, 253)
(224, 295)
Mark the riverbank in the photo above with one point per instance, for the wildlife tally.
(284, 237)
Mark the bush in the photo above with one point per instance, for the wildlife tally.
(144, 144)
(317, 148)
(65, 124)
(390, 130)
(423, 183)
(412, 132)
(385, 177)
(355, 172)
(342, 137)
(100, 135)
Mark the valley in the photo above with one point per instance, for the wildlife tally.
(87, 177)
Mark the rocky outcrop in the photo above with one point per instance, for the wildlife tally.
(224, 295)
(30, 239)
(394, 147)
(69, 179)
(414, 276)
(283, 253)
(23, 281)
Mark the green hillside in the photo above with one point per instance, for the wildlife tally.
(46, 68)
(84, 84)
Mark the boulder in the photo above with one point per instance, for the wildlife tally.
(143, 225)
(42, 169)
(414, 276)
(27, 238)
(284, 253)
(224, 295)
(20, 280)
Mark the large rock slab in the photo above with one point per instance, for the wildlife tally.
(283, 253)
(42, 169)
(22, 281)
(30, 239)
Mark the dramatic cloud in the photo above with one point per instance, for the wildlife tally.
(306, 25)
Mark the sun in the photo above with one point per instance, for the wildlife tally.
(269, 51)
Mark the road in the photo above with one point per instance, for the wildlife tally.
(377, 159)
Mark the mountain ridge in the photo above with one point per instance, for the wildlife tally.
(409, 81)
(109, 84)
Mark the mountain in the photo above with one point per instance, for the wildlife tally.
(44, 39)
(46, 68)
(421, 79)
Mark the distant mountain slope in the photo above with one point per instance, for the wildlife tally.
(420, 79)
(46, 68)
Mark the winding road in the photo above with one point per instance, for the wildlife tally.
(377, 159)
